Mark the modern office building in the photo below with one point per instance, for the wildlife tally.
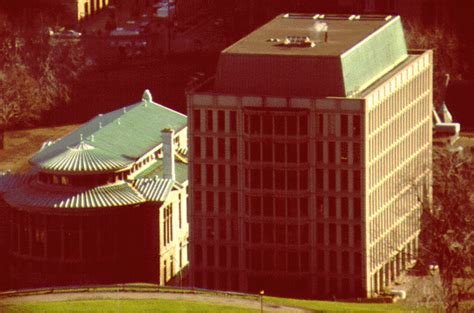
(304, 150)
(106, 203)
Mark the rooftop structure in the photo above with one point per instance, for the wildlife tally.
(344, 56)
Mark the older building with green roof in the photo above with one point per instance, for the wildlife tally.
(106, 203)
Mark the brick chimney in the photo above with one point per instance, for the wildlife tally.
(167, 135)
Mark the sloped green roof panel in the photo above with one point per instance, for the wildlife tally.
(374, 56)
(99, 197)
(84, 157)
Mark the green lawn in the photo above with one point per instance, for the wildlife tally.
(114, 306)
(338, 306)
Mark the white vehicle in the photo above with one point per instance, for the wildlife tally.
(120, 31)
(67, 34)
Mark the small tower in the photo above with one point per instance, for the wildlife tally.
(168, 153)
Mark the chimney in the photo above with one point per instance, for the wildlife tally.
(167, 135)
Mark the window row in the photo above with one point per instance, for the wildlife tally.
(215, 229)
(215, 175)
(340, 125)
(276, 123)
(214, 121)
(272, 206)
(271, 260)
(338, 152)
(276, 179)
(227, 256)
(215, 148)
(276, 152)
(215, 202)
(338, 180)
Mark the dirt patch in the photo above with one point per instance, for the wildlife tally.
(20, 145)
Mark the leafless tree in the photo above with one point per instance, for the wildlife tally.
(36, 74)
(446, 53)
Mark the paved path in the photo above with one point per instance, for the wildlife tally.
(213, 299)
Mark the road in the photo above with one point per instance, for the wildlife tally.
(220, 300)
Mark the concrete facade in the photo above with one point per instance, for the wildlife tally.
(309, 196)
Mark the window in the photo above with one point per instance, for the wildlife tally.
(344, 180)
(303, 125)
(279, 152)
(357, 238)
(220, 121)
(344, 122)
(210, 201)
(267, 178)
(320, 124)
(267, 124)
(344, 207)
(332, 179)
(197, 201)
(304, 234)
(320, 233)
(345, 234)
(209, 148)
(233, 148)
(356, 152)
(332, 152)
(221, 148)
(357, 208)
(197, 147)
(221, 179)
(303, 153)
(255, 151)
(222, 256)
(233, 203)
(254, 124)
(356, 175)
(344, 152)
(319, 179)
(209, 175)
(319, 151)
(279, 125)
(197, 120)
(233, 121)
(291, 125)
(356, 125)
(233, 176)
(333, 263)
(210, 257)
(332, 207)
(303, 180)
(197, 174)
(209, 120)
(332, 233)
(303, 207)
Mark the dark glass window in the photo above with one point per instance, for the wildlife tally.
(356, 125)
(209, 120)
(344, 125)
(197, 120)
(221, 121)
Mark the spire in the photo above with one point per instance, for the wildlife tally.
(147, 96)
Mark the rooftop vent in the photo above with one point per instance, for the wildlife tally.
(299, 41)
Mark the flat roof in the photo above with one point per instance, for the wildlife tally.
(288, 57)
(344, 32)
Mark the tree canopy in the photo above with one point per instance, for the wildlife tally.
(36, 73)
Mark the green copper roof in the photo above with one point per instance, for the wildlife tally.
(358, 51)
(84, 157)
(98, 197)
(121, 136)
(373, 57)
(139, 191)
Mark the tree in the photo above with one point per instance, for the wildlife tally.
(446, 54)
(36, 73)
(447, 236)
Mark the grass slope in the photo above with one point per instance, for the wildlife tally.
(115, 306)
